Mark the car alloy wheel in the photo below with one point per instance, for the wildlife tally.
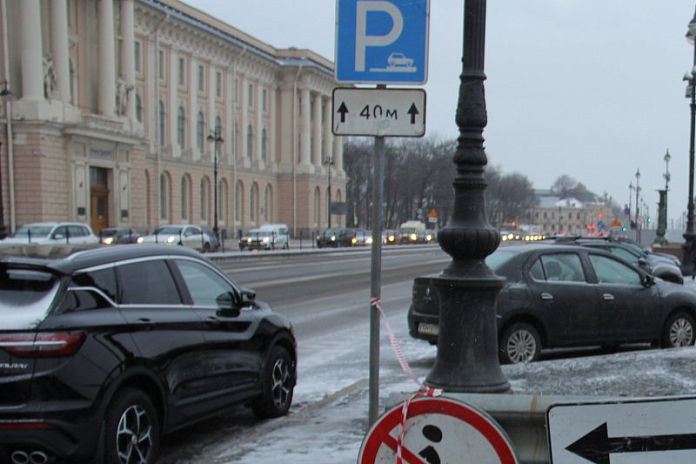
(132, 431)
(520, 344)
(679, 331)
(278, 385)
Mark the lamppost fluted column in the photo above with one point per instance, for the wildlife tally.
(637, 206)
(689, 236)
(467, 352)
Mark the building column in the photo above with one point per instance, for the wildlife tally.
(272, 158)
(107, 66)
(128, 58)
(193, 109)
(305, 128)
(244, 123)
(316, 131)
(327, 142)
(259, 127)
(59, 48)
(31, 53)
(287, 123)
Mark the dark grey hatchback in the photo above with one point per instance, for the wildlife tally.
(560, 296)
(107, 349)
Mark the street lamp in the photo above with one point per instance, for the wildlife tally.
(5, 94)
(662, 205)
(215, 138)
(637, 206)
(329, 162)
(690, 77)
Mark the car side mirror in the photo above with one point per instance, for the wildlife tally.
(227, 306)
(648, 280)
(248, 297)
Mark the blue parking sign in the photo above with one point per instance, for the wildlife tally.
(382, 41)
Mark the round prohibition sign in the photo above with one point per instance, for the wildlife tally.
(437, 431)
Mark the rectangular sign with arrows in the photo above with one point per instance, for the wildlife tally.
(631, 431)
(379, 112)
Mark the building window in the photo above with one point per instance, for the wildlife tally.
(199, 131)
(160, 64)
(185, 198)
(264, 100)
(250, 142)
(161, 123)
(263, 144)
(182, 71)
(181, 128)
(137, 55)
(201, 78)
(218, 84)
(250, 95)
(138, 108)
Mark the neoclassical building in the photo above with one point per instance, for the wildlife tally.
(115, 107)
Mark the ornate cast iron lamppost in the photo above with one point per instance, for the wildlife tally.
(5, 94)
(215, 138)
(329, 162)
(662, 205)
(467, 352)
(689, 236)
(637, 206)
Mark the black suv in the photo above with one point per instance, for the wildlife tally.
(663, 266)
(105, 350)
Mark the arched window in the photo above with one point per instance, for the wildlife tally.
(317, 207)
(205, 198)
(181, 128)
(250, 142)
(185, 198)
(164, 196)
(267, 202)
(238, 201)
(200, 126)
(161, 123)
(264, 142)
(253, 202)
(138, 108)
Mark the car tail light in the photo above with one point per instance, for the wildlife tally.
(42, 343)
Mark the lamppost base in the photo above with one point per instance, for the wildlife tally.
(689, 254)
(467, 359)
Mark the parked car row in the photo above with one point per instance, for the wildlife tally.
(76, 233)
(563, 295)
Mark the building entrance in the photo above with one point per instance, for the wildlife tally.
(99, 198)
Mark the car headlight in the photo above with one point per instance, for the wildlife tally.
(265, 240)
(391, 238)
(333, 238)
(414, 237)
(141, 239)
(369, 241)
(171, 239)
(108, 241)
(353, 240)
(429, 237)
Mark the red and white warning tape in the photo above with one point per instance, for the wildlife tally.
(423, 390)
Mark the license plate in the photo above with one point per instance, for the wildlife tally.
(428, 329)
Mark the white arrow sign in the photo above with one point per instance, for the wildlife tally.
(379, 112)
(631, 431)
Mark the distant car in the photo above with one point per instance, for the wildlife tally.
(390, 237)
(118, 235)
(44, 233)
(415, 235)
(566, 295)
(260, 239)
(184, 235)
(361, 237)
(399, 60)
(339, 237)
(214, 241)
(112, 347)
(661, 266)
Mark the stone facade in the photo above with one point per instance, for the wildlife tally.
(113, 105)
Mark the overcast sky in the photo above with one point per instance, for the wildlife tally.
(588, 88)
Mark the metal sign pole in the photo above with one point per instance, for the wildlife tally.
(376, 275)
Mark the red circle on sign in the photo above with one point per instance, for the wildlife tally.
(379, 434)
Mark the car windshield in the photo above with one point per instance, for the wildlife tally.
(331, 231)
(25, 297)
(499, 258)
(407, 230)
(36, 231)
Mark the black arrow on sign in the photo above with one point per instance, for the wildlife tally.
(596, 446)
(413, 111)
(343, 110)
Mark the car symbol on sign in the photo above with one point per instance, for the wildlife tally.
(399, 60)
